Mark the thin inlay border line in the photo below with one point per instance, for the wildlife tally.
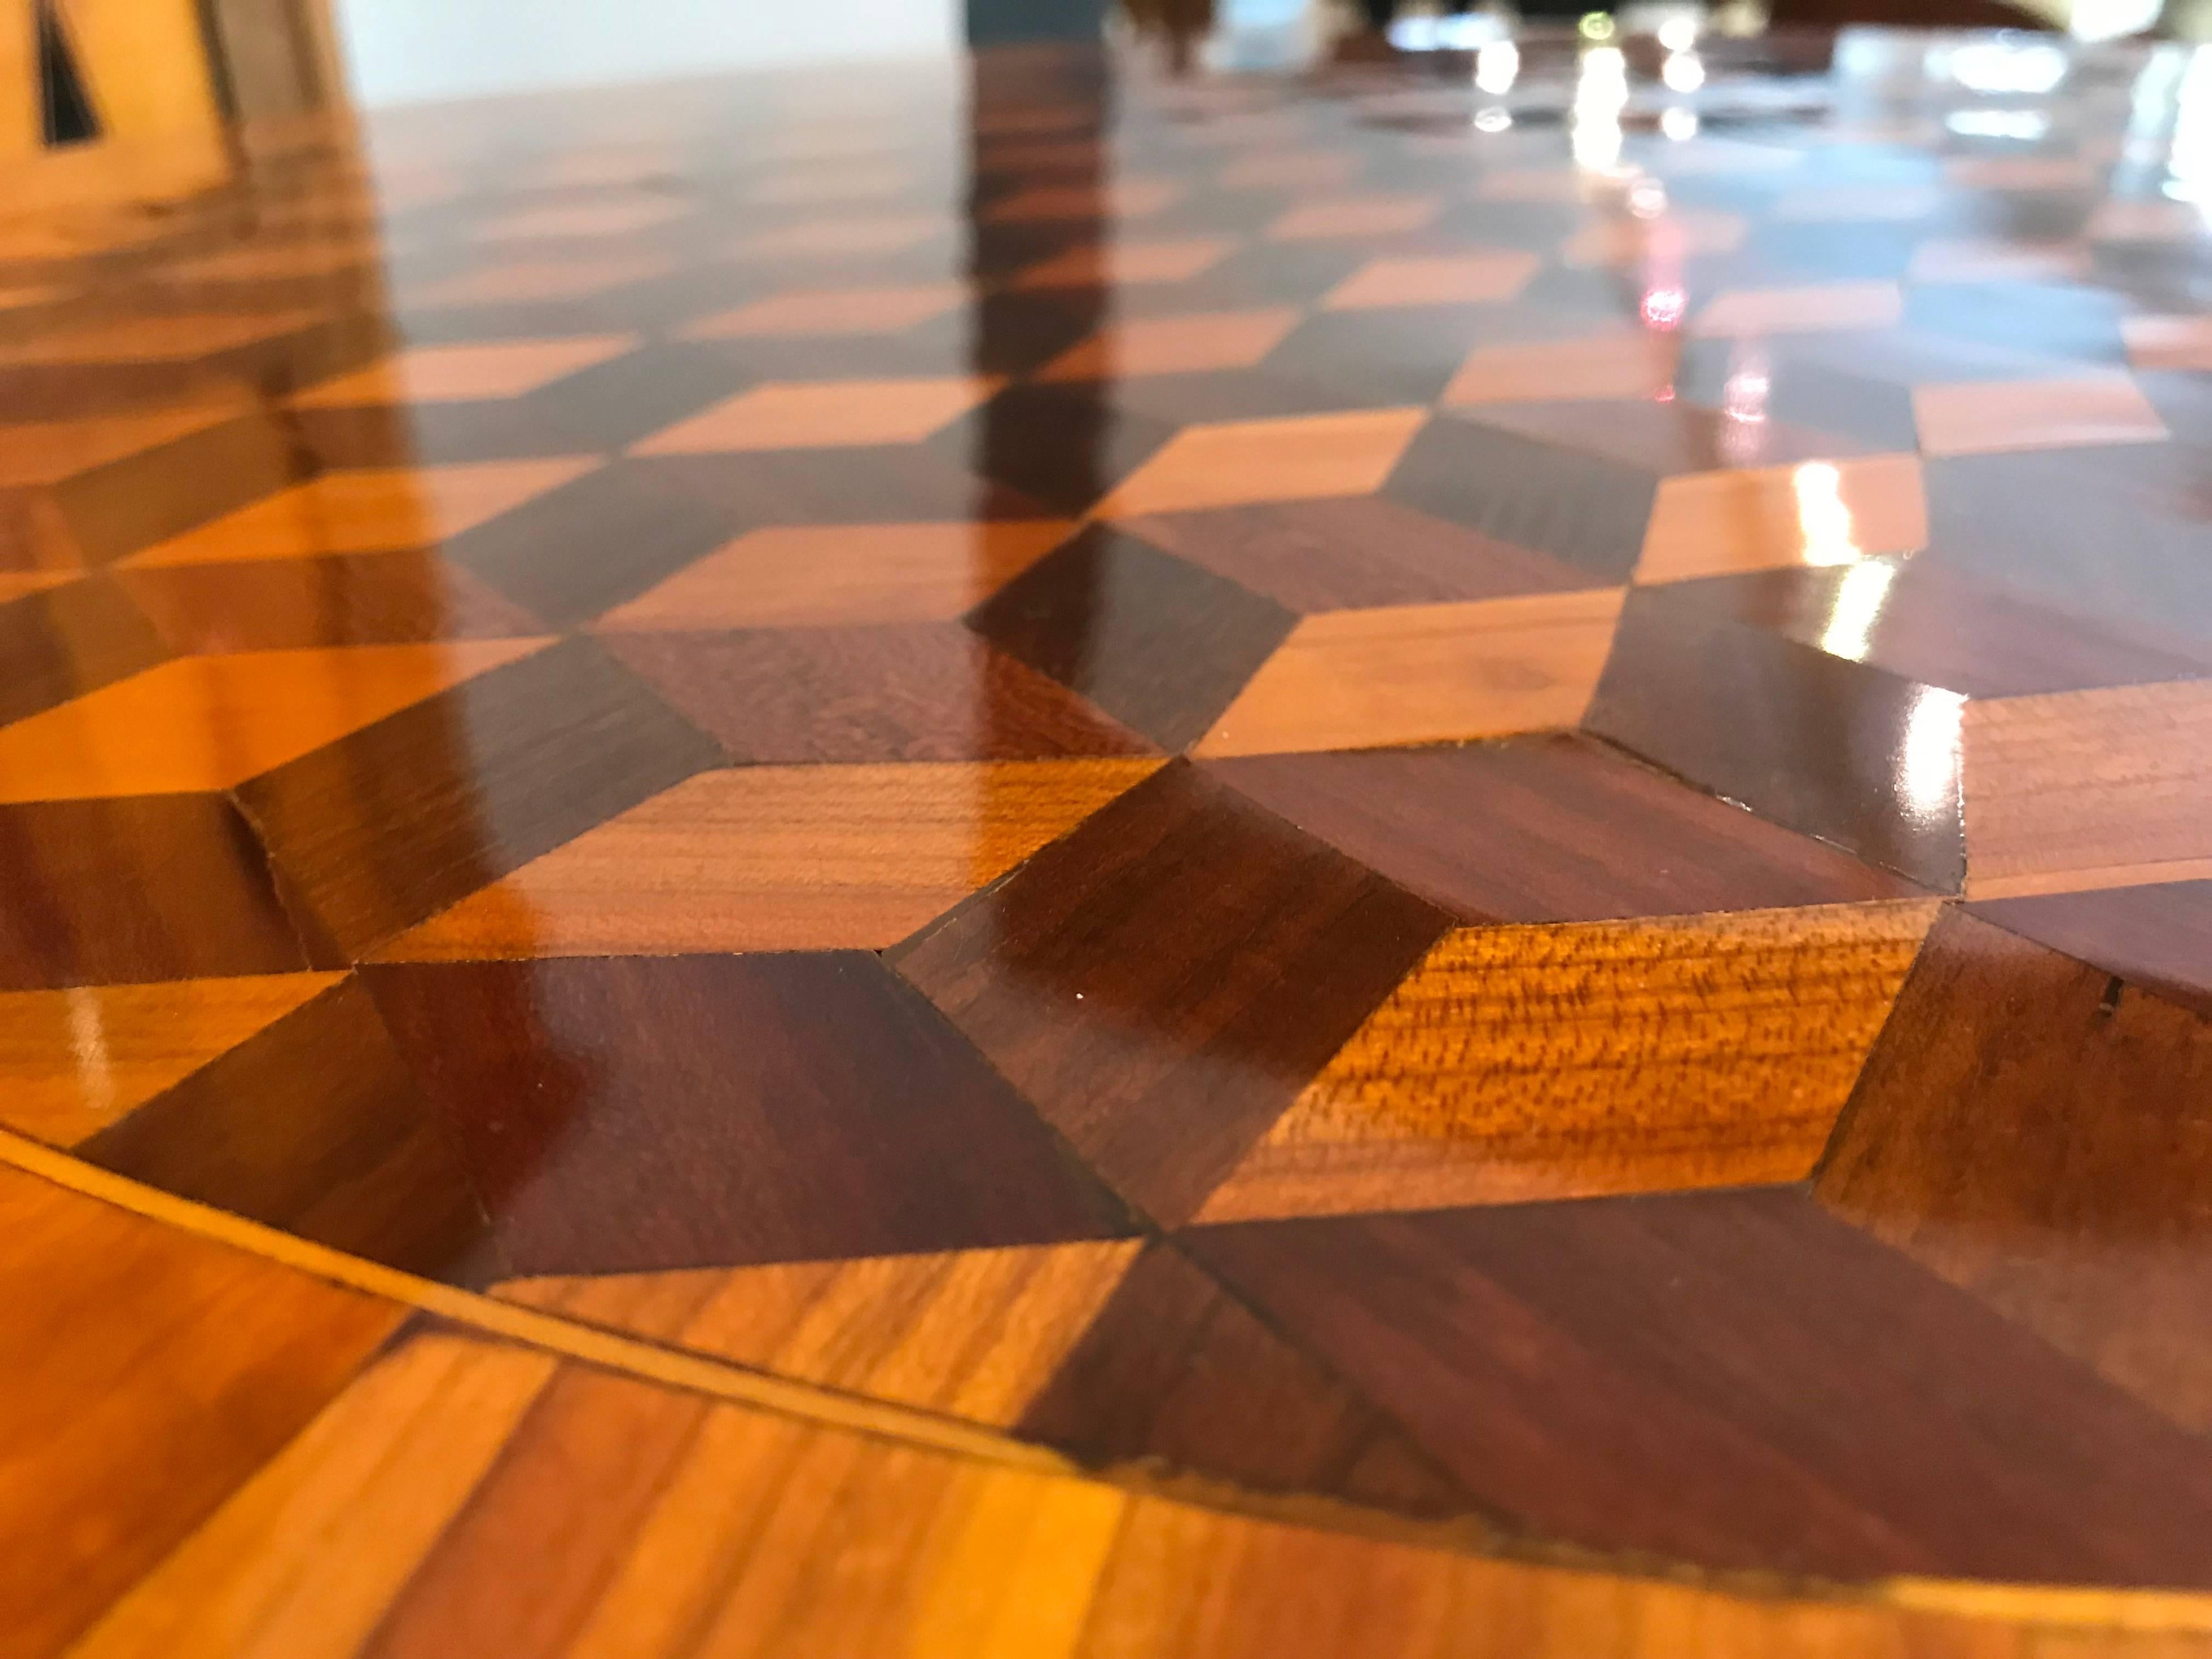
(2133, 1612)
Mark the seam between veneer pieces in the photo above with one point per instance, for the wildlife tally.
(2137, 1611)
(699, 1373)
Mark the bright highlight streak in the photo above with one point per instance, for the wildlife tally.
(1856, 608)
(1496, 66)
(1826, 524)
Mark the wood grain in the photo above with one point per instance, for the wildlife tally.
(2042, 1137)
(71, 1062)
(1859, 755)
(390, 825)
(148, 1375)
(1162, 982)
(1550, 828)
(1160, 644)
(200, 723)
(975, 1333)
(1819, 512)
(363, 599)
(70, 641)
(574, 552)
(914, 691)
(1191, 1582)
(47, 452)
(1426, 673)
(2157, 937)
(367, 512)
(2081, 789)
(628, 1114)
(773, 858)
(459, 1497)
(1628, 364)
(1359, 552)
(796, 575)
(128, 891)
(312, 1125)
(1294, 459)
(1584, 510)
(303, 1558)
(1733, 1378)
(1520, 1063)
(439, 373)
(1175, 1373)
(834, 1546)
(1921, 620)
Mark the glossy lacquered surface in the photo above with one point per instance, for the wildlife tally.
(1403, 857)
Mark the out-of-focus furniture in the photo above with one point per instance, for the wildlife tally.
(105, 102)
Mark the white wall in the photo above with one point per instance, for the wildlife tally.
(405, 52)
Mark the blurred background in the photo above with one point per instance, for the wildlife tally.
(146, 85)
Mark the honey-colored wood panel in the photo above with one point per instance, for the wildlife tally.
(823, 415)
(725, 1532)
(21, 117)
(166, 339)
(1623, 363)
(468, 1498)
(205, 723)
(47, 452)
(147, 1374)
(1299, 459)
(1463, 279)
(444, 373)
(1423, 673)
(778, 858)
(302, 1560)
(2080, 789)
(1819, 512)
(1521, 1063)
(145, 70)
(367, 512)
(1087, 265)
(14, 584)
(976, 1333)
(1187, 1582)
(73, 1061)
(145, 62)
(807, 314)
(812, 576)
(1174, 345)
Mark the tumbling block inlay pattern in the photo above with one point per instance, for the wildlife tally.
(457, 373)
(1817, 512)
(367, 512)
(822, 575)
(1295, 459)
(831, 415)
(971, 800)
(1520, 1063)
(1977, 417)
(74, 1061)
(977, 1334)
(1352, 679)
(205, 723)
(2099, 789)
(774, 857)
